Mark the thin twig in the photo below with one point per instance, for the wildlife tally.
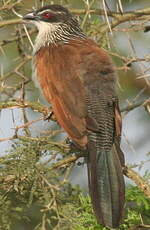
(138, 180)
(130, 173)
(135, 105)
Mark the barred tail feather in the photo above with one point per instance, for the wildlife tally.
(106, 184)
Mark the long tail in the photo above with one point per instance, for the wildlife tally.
(106, 183)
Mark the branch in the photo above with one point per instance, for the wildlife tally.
(138, 180)
(36, 106)
(130, 173)
(129, 14)
(10, 22)
(145, 103)
(65, 162)
(118, 17)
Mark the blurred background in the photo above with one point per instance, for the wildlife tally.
(129, 47)
(31, 195)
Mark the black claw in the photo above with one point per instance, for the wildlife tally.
(48, 116)
(71, 144)
(74, 146)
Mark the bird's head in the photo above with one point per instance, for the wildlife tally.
(55, 24)
(49, 14)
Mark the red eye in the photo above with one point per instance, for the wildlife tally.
(48, 15)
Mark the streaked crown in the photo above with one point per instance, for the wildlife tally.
(51, 14)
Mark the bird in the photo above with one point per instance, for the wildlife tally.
(78, 78)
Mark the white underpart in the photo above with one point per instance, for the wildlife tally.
(52, 33)
(46, 34)
(34, 75)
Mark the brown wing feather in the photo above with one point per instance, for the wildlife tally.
(118, 128)
(118, 120)
(62, 87)
(63, 84)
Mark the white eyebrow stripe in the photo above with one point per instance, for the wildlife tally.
(44, 11)
(50, 11)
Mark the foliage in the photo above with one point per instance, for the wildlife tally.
(34, 197)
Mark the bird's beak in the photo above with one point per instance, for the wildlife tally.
(31, 17)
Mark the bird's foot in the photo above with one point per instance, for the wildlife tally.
(48, 116)
(71, 144)
(74, 146)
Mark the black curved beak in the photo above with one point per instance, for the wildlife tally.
(31, 17)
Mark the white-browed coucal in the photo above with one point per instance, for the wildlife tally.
(78, 79)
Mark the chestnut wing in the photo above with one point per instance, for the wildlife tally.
(56, 70)
(65, 74)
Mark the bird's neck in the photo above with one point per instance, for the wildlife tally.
(54, 34)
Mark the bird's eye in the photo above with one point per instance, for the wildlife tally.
(47, 15)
